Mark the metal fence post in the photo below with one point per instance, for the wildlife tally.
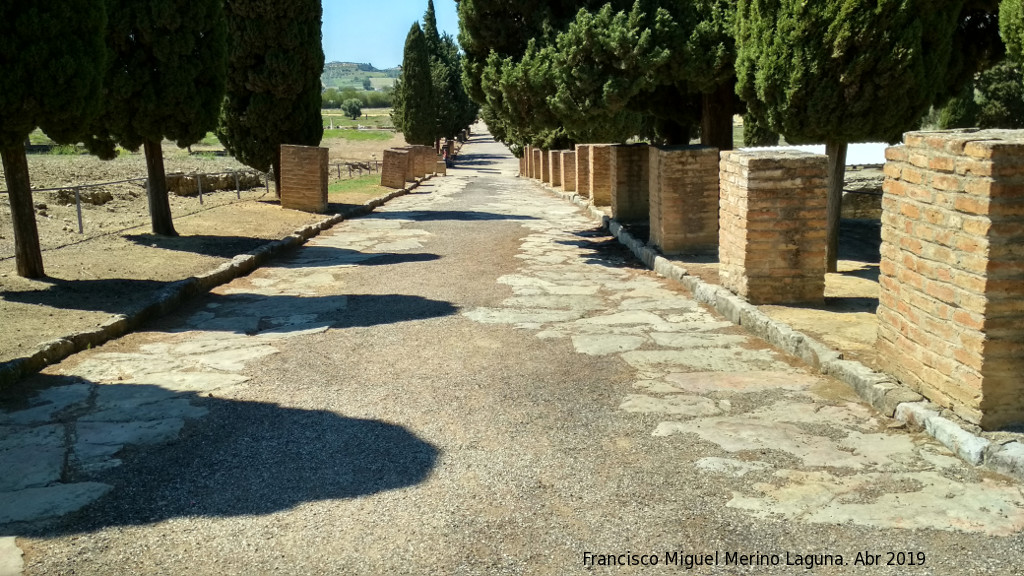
(78, 206)
(238, 185)
(199, 184)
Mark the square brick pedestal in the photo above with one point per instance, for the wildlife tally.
(583, 169)
(555, 168)
(601, 174)
(394, 172)
(772, 217)
(951, 301)
(630, 192)
(304, 178)
(568, 170)
(535, 169)
(684, 199)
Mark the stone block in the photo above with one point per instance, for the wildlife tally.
(545, 166)
(304, 178)
(772, 221)
(630, 183)
(568, 160)
(395, 170)
(601, 174)
(583, 169)
(684, 199)
(555, 168)
(950, 318)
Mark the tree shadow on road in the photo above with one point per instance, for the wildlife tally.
(208, 245)
(243, 458)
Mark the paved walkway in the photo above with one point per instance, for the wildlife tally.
(473, 380)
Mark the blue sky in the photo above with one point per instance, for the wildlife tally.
(374, 31)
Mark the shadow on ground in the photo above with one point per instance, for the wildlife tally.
(218, 246)
(440, 215)
(246, 458)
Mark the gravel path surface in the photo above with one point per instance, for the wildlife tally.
(475, 380)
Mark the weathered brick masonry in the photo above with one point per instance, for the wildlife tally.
(583, 169)
(951, 301)
(568, 170)
(425, 159)
(684, 199)
(545, 166)
(555, 167)
(630, 183)
(601, 174)
(441, 168)
(772, 218)
(535, 171)
(304, 178)
(395, 170)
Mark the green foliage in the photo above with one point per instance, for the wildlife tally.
(367, 85)
(1011, 28)
(414, 108)
(52, 58)
(755, 133)
(273, 79)
(994, 100)
(960, 111)
(843, 70)
(353, 108)
(341, 75)
(166, 75)
(358, 135)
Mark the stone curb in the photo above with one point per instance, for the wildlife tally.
(878, 389)
(174, 294)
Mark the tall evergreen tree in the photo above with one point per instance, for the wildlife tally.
(840, 71)
(52, 58)
(275, 60)
(417, 121)
(165, 80)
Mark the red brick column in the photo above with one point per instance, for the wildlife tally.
(684, 199)
(583, 169)
(631, 180)
(951, 301)
(601, 174)
(545, 166)
(425, 159)
(568, 161)
(772, 217)
(555, 168)
(535, 173)
(527, 161)
(304, 178)
(395, 170)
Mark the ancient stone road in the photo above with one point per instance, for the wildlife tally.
(473, 380)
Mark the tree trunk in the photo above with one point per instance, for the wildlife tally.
(716, 118)
(159, 204)
(276, 167)
(836, 152)
(28, 257)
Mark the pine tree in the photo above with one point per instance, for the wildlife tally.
(275, 60)
(840, 71)
(418, 121)
(165, 80)
(52, 58)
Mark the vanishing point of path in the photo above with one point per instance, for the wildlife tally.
(477, 380)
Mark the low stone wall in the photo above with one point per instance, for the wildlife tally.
(304, 178)
(395, 170)
(188, 184)
(555, 168)
(684, 199)
(601, 174)
(630, 182)
(951, 301)
(568, 160)
(772, 216)
(583, 169)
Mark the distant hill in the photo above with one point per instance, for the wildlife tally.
(353, 75)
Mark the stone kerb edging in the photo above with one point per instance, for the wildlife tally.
(174, 294)
(878, 389)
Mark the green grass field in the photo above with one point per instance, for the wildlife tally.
(358, 135)
(369, 185)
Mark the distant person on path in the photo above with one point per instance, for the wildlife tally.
(447, 159)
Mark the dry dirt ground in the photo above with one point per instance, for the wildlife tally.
(117, 263)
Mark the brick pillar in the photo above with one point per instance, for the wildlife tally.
(545, 166)
(684, 199)
(425, 158)
(536, 164)
(555, 168)
(304, 178)
(528, 160)
(568, 170)
(631, 180)
(772, 217)
(583, 169)
(441, 168)
(951, 299)
(601, 174)
(395, 170)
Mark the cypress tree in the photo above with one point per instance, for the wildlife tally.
(165, 80)
(275, 60)
(52, 58)
(840, 71)
(418, 121)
